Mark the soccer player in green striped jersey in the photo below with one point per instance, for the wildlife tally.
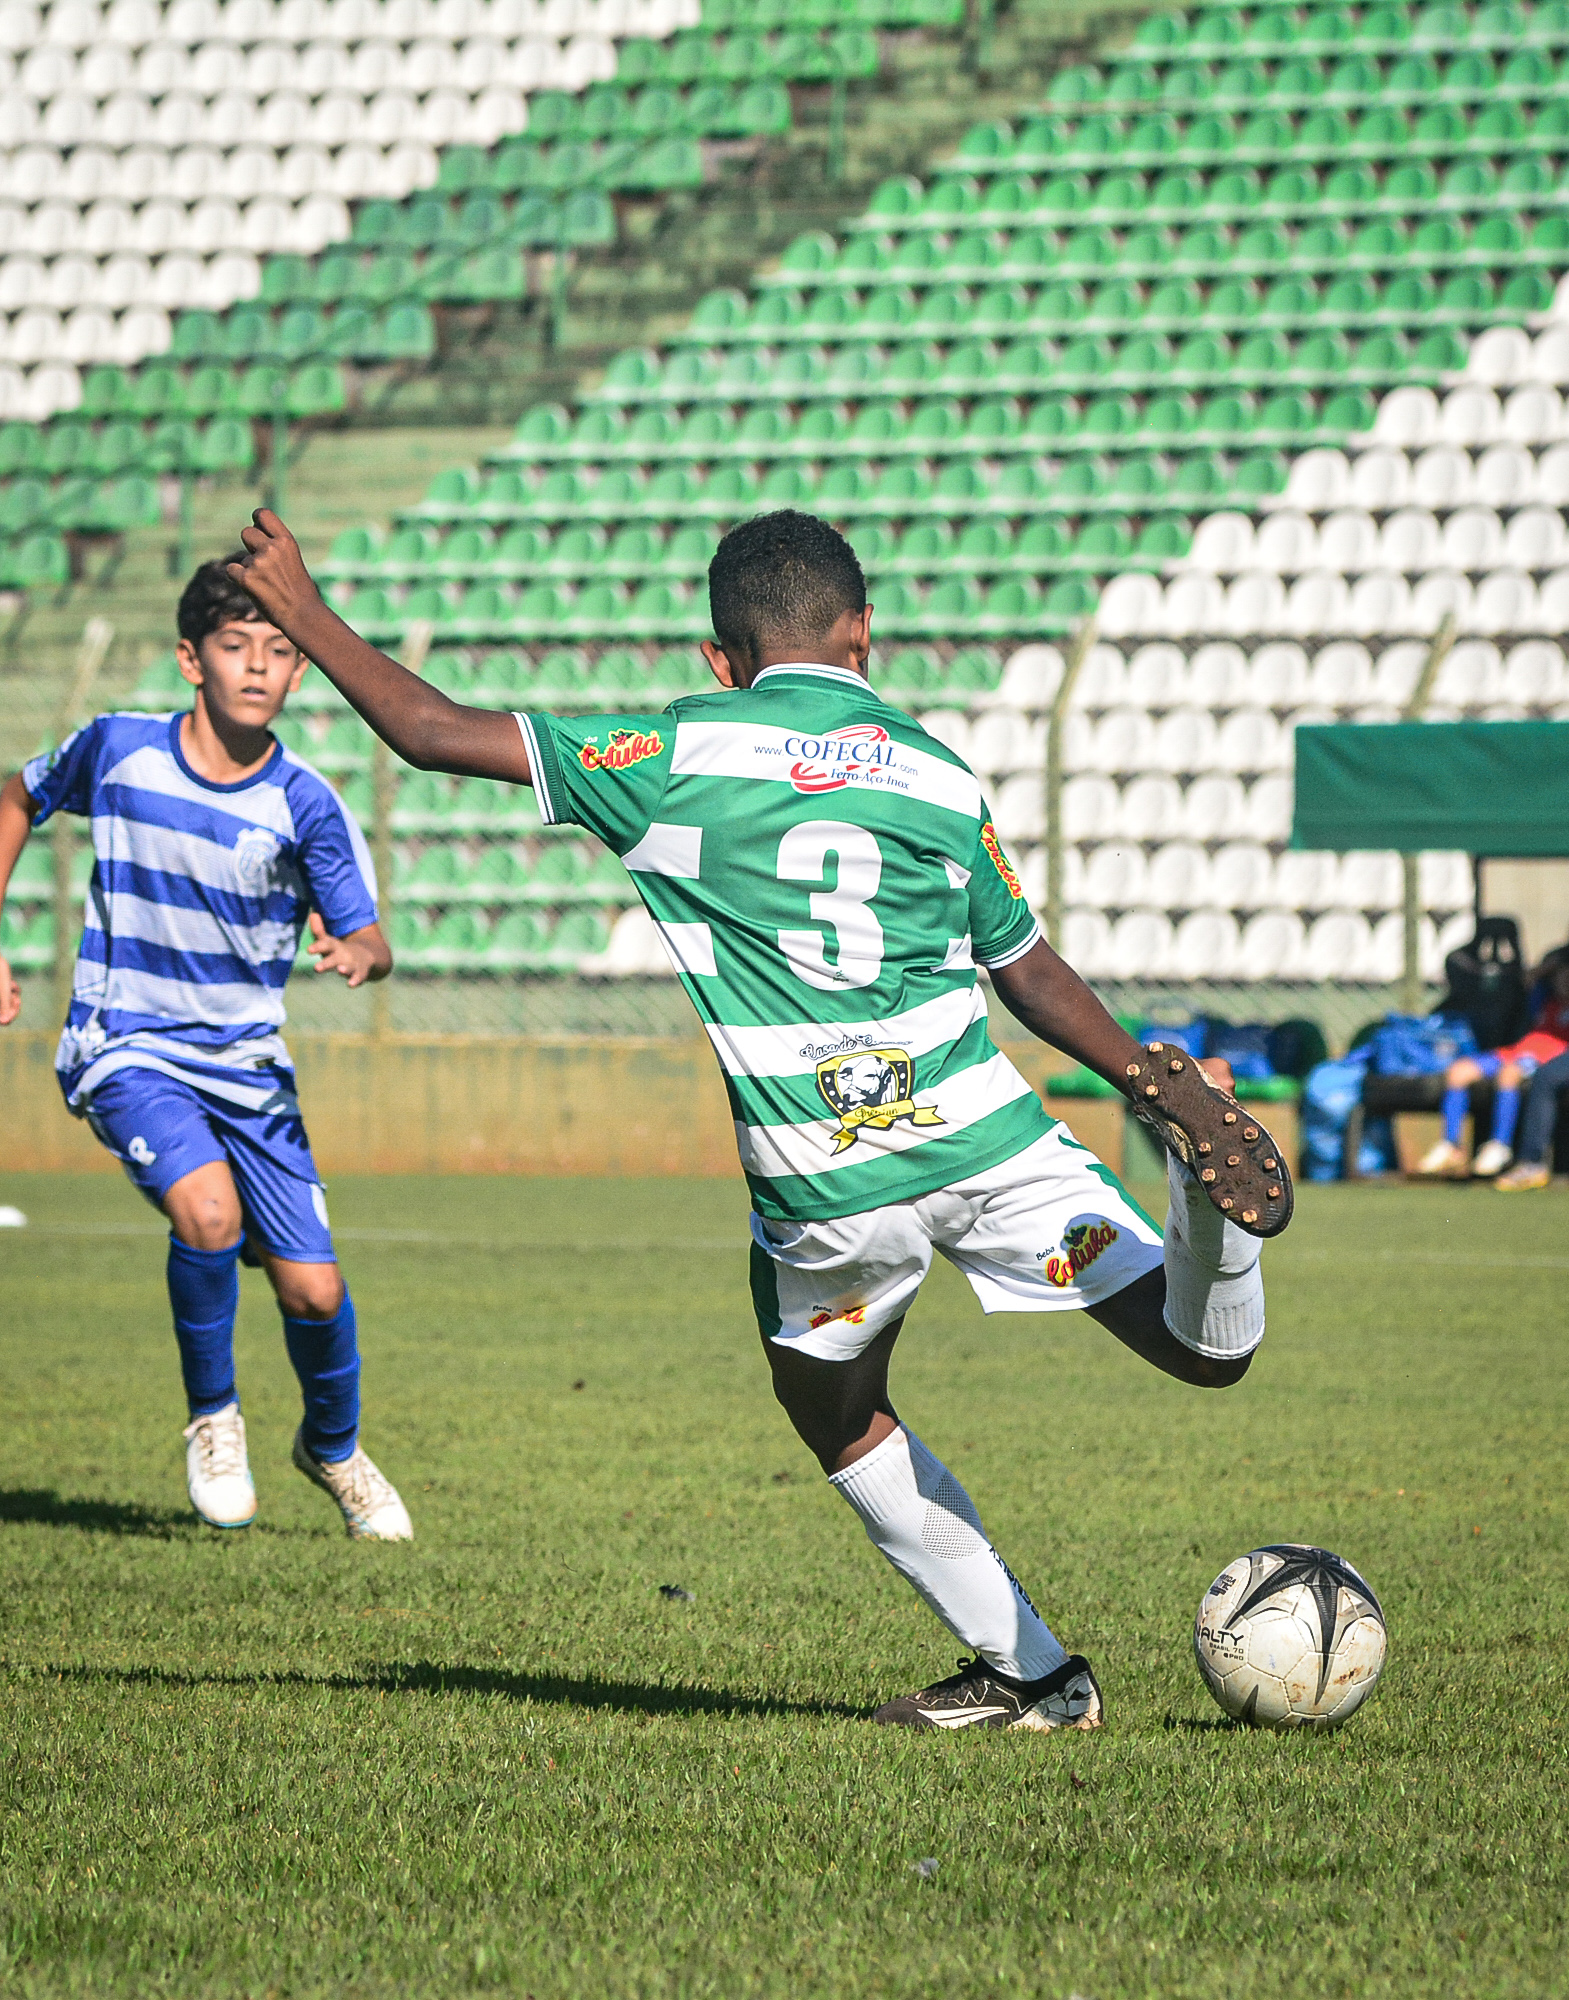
(827, 881)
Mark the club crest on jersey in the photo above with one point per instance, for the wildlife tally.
(626, 746)
(1000, 861)
(871, 1087)
(255, 858)
(1082, 1243)
(829, 763)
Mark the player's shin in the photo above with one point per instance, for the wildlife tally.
(326, 1358)
(925, 1523)
(1214, 1287)
(204, 1294)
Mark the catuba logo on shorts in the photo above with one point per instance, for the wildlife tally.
(626, 746)
(1081, 1245)
(829, 763)
(823, 1317)
(1003, 865)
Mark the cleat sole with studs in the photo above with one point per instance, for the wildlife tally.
(1235, 1160)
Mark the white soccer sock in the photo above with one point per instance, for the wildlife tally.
(1214, 1287)
(925, 1523)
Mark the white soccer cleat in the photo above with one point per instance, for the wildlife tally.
(1442, 1159)
(217, 1471)
(1491, 1159)
(372, 1511)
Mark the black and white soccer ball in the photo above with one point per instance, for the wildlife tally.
(1290, 1637)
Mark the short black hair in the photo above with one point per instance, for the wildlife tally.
(782, 578)
(212, 598)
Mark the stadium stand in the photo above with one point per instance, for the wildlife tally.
(1252, 343)
(216, 215)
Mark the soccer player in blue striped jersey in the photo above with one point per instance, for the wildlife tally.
(827, 881)
(213, 847)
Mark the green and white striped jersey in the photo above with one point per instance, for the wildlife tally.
(826, 878)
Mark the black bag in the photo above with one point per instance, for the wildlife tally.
(1487, 983)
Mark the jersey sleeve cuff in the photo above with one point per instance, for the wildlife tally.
(544, 769)
(995, 960)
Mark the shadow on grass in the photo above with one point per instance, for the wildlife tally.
(43, 1507)
(424, 1677)
(1208, 1725)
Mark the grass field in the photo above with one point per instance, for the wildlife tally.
(282, 1764)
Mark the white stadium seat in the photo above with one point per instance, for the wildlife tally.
(1090, 809)
(951, 727)
(1192, 604)
(1103, 679)
(1179, 877)
(1222, 543)
(1214, 808)
(1336, 946)
(1550, 355)
(1318, 480)
(1407, 417)
(1307, 879)
(1435, 946)
(1469, 415)
(1131, 604)
(1535, 538)
(1397, 671)
(1218, 675)
(1348, 540)
(1441, 593)
(1500, 355)
(1286, 542)
(1185, 740)
(1114, 877)
(1380, 602)
(1278, 675)
(1410, 541)
(1242, 876)
(1086, 942)
(1553, 601)
(1317, 602)
(1505, 476)
(1150, 808)
(1255, 603)
(1157, 675)
(1123, 740)
(1471, 674)
(1271, 946)
(1031, 677)
(1473, 539)
(1250, 740)
(1384, 957)
(1207, 945)
(1369, 881)
(1505, 601)
(1003, 741)
(1534, 414)
(1444, 881)
(1380, 479)
(1267, 814)
(1341, 674)
(1534, 673)
(1140, 946)
(1019, 808)
(1442, 477)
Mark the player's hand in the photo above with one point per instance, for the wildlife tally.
(10, 995)
(1218, 1070)
(352, 958)
(273, 571)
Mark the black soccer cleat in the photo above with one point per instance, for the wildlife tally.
(979, 1697)
(1236, 1162)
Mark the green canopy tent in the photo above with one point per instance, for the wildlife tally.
(1492, 789)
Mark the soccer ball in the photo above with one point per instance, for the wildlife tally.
(1290, 1637)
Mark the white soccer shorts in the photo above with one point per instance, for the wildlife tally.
(1048, 1231)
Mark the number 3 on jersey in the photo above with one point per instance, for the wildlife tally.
(858, 936)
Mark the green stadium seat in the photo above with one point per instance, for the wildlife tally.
(228, 444)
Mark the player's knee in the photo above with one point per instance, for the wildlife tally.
(1509, 1077)
(208, 1223)
(310, 1291)
(1461, 1073)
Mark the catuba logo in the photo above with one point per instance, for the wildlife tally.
(829, 763)
(1081, 1245)
(1003, 865)
(626, 746)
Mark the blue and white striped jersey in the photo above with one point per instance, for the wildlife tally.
(198, 896)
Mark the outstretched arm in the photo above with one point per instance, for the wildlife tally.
(418, 721)
(1053, 1002)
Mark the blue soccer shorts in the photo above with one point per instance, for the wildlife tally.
(161, 1128)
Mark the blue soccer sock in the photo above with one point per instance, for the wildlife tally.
(326, 1358)
(1506, 1114)
(204, 1292)
(1457, 1102)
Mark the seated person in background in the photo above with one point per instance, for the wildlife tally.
(1509, 1067)
(1533, 1156)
